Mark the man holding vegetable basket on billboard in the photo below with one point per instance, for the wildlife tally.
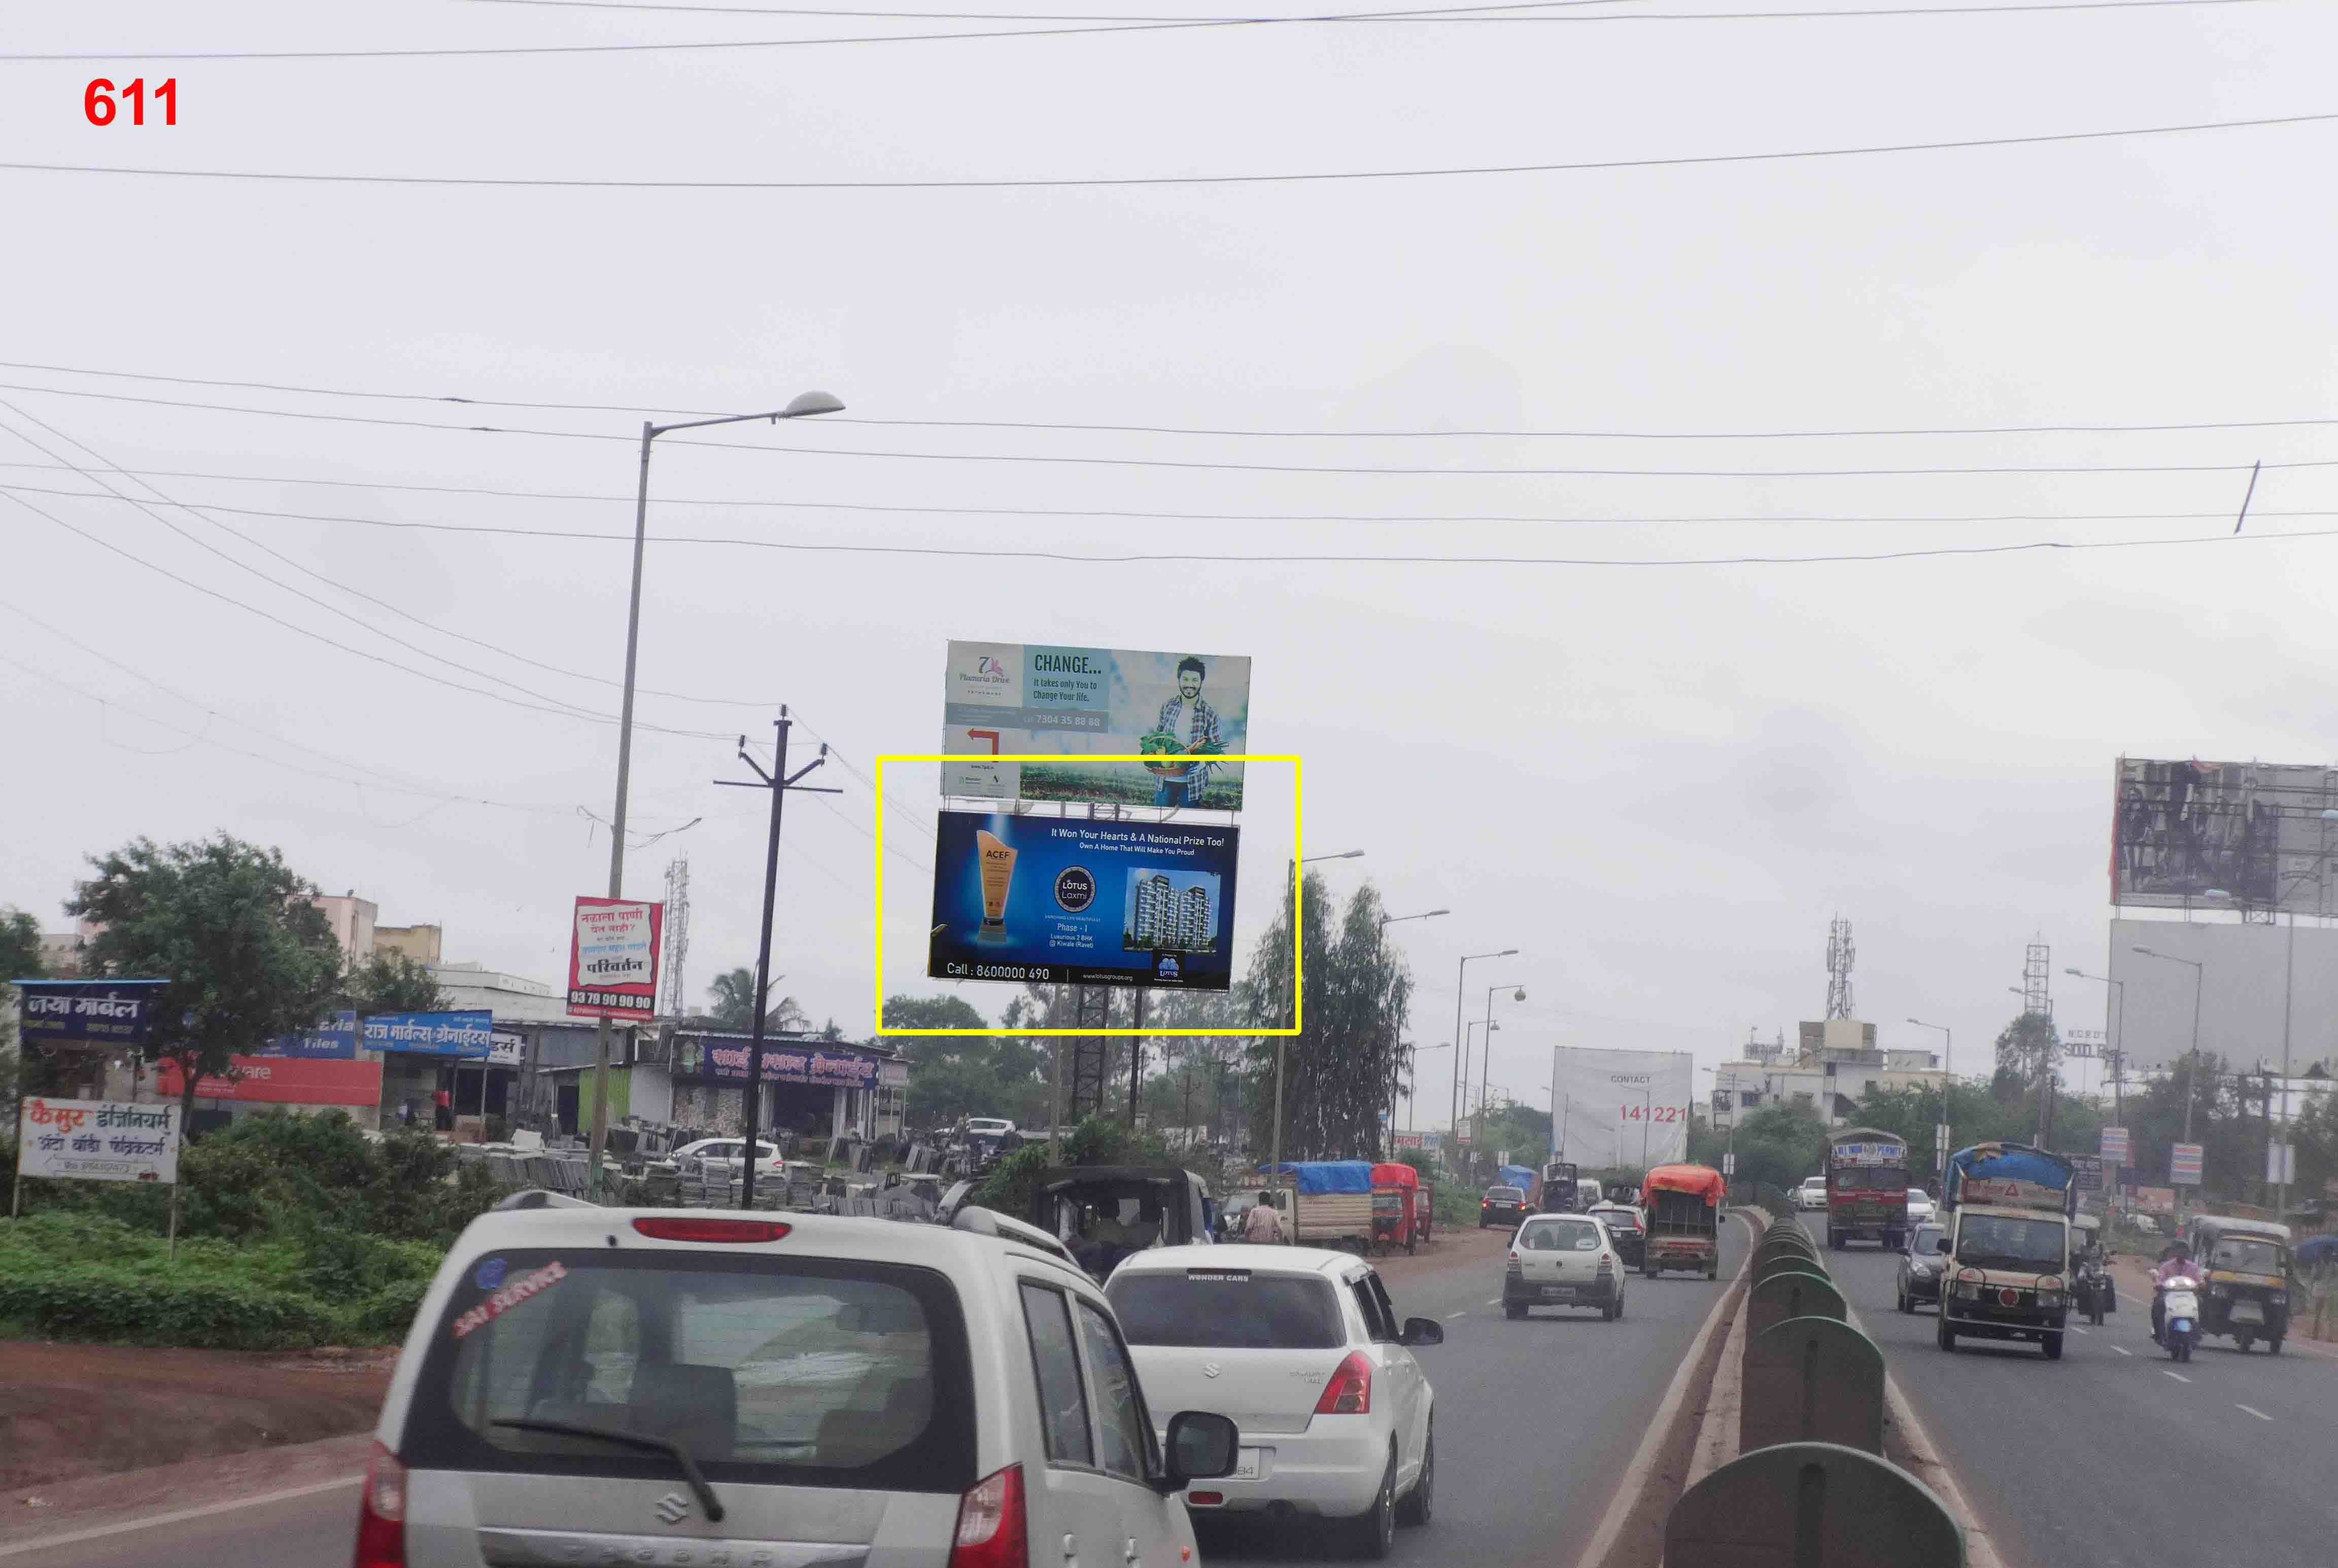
(1186, 726)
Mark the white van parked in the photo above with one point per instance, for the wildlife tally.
(682, 1388)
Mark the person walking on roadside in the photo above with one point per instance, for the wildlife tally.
(1264, 1224)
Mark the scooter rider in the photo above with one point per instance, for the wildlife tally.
(2175, 1263)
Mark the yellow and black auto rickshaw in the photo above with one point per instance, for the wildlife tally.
(2247, 1262)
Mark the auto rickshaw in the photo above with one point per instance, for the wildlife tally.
(1396, 1207)
(2247, 1268)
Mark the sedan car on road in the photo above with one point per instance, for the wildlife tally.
(1918, 1279)
(1503, 1206)
(1303, 1348)
(1812, 1194)
(1563, 1260)
(1625, 1232)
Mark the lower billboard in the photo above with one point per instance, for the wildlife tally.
(1082, 901)
(283, 1081)
(1622, 1108)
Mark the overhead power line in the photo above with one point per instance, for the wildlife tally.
(1056, 425)
(1439, 471)
(1316, 558)
(1328, 176)
(1389, 16)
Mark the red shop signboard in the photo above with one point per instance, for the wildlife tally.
(285, 1081)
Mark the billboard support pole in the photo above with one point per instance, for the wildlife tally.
(778, 781)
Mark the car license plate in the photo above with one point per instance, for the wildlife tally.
(2247, 1312)
(1560, 1291)
(1246, 1465)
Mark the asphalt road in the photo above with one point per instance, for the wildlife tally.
(1536, 1422)
(2115, 1456)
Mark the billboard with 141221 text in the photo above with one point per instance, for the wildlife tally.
(1005, 699)
(1080, 901)
(1622, 1108)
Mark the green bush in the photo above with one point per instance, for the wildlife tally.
(83, 1301)
(389, 1311)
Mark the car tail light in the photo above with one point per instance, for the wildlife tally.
(1207, 1499)
(729, 1232)
(381, 1512)
(1350, 1391)
(992, 1531)
(1606, 1266)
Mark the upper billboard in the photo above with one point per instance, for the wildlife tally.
(1000, 698)
(2233, 835)
(612, 959)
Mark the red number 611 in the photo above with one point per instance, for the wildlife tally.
(98, 106)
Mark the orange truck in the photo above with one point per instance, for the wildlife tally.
(1682, 1206)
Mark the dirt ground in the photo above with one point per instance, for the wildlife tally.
(70, 1411)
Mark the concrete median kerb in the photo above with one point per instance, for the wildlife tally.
(1793, 1294)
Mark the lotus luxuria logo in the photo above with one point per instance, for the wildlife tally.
(674, 1507)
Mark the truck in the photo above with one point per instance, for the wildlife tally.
(1559, 1189)
(2010, 1208)
(1325, 1202)
(1682, 1206)
(1867, 1188)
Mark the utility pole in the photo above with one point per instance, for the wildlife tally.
(778, 781)
(1136, 1062)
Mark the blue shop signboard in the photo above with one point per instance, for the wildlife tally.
(467, 1033)
(88, 1012)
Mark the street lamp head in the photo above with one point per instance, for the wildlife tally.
(1434, 913)
(1508, 953)
(2073, 972)
(2214, 893)
(2146, 952)
(1519, 995)
(810, 403)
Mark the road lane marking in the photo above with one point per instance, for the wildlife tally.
(1497, 1301)
(2258, 1414)
(154, 1521)
(2077, 1328)
(2177, 1375)
(2122, 1349)
(1450, 1315)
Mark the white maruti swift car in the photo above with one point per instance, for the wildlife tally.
(1303, 1349)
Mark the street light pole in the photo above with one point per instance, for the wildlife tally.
(1485, 1058)
(804, 405)
(2192, 1065)
(1461, 1059)
(1386, 921)
(1941, 1138)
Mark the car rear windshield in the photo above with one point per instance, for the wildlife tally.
(1559, 1236)
(801, 1372)
(1619, 1220)
(1227, 1309)
(1504, 1195)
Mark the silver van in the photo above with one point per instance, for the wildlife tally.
(691, 1389)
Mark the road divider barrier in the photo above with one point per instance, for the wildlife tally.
(1802, 1481)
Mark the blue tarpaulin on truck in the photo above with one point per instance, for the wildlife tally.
(2016, 1175)
(1516, 1176)
(1314, 1176)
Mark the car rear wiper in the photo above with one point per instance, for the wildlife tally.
(690, 1473)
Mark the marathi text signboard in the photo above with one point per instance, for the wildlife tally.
(2089, 1172)
(1621, 1107)
(1001, 698)
(87, 1012)
(2115, 1149)
(468, 1033)
(335, 1040)
(612, 959)
(2184, 1165)
(724, 1061)
(507, 1050)
(282, 1081)
(1043, 900)
(97, 1141)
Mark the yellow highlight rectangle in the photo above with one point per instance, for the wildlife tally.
(1298, 893)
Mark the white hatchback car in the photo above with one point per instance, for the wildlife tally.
(1563, 1260)
(728, 1154)
(678, 1388)
(1812, 1194)
(1920, 1207)
(1303, 1348)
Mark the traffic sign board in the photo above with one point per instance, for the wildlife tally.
(2115, 1146)
(2184, 1165)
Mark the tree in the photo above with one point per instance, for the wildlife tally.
(1346, 1066)
(2028, 1050)
(734, 1005)
(390, 982)
(231, 927)
(954, 1075)
(1779, 1144)
(20, 959)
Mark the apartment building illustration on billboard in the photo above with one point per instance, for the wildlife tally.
(1171, 911)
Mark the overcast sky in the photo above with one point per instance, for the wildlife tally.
(1658, 780)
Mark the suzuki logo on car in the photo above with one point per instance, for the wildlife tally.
(674, 1507)
(1211, 1368)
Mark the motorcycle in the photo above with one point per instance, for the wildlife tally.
(2180, 1308)
(2096, 1293)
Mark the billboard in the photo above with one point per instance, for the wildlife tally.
(465, 1034)
(1620, 1107)
(612, 959)
(1082, 901)
(2249, 833)
(86, 1011)
(97, 1140)
(334, 1040)
(722, 1059)
(1004, 697)
(284, 1081)
(2245, 972)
